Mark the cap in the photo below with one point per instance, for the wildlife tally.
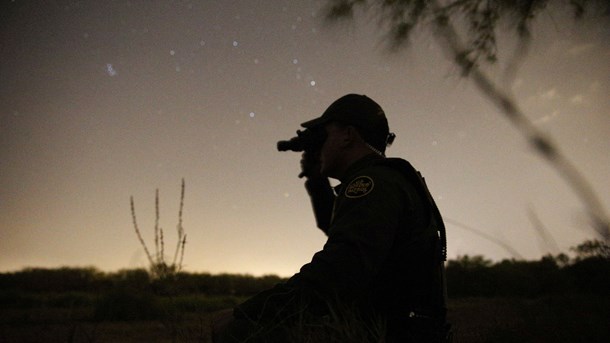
(360, 111)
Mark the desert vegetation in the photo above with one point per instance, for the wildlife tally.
(159, 266)
(562, 298)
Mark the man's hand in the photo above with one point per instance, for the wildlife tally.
(310, 165)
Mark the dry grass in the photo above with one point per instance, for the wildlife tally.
(574, 318)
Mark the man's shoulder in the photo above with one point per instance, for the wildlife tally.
(387, 172)
(381, 168)
(387, 168)
(395, 163)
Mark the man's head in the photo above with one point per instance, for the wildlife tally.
(355, 126)
(361, 112)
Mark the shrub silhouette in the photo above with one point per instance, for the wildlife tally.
(159, 267)
(127, 305)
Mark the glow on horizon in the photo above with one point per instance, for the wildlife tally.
(105, 100)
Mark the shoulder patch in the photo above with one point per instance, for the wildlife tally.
(359, 187)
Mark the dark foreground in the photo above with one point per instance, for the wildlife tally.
(559, 318)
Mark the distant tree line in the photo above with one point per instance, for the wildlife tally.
(90, 279)
(467, 276)
(587, 272)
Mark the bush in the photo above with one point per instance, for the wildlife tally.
(19, 299)
(125, 305)
(70, 300)
(53, 280)
(202, 304)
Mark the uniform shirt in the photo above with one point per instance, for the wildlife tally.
(380, 253)
(381, 248)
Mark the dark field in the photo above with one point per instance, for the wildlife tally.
(555, 299)
(565, 318)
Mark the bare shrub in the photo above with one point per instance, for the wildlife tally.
(159, 267)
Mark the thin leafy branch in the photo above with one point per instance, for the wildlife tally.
(512, 251)
(466, 30)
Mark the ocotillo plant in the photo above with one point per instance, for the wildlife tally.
(159, 267)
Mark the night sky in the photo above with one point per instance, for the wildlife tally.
(103, 100)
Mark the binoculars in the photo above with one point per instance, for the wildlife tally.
(307, 140)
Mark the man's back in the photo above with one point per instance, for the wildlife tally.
(382, 251)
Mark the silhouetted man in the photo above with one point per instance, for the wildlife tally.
(380, 273)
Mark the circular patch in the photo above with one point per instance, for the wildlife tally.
(359, 187)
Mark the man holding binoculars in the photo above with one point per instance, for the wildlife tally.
(382, 267)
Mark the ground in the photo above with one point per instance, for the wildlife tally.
(560, 318)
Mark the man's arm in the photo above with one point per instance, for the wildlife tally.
(319, 190)
(360, 238)
(322, 199)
